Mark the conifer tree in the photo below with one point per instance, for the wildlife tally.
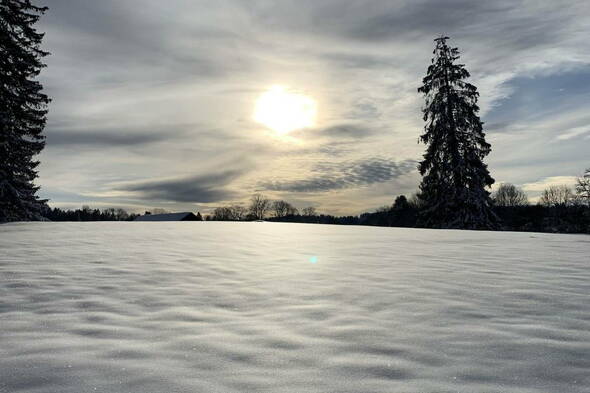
(453, 189)
(23, 109)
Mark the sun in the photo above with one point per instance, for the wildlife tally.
(283, 110)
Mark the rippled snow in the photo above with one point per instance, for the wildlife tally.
(263, 307)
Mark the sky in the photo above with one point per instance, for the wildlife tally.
(153, 101)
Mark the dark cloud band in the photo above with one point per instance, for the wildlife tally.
(195, 189)
(345, 175)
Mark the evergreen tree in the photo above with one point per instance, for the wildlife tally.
(23, 109)
(453, 190)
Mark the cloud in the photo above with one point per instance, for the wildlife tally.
(545, 183)
(431, 17)
(347, 131)
(357, 60)
(519, 24)
(103, 138)
(546, 96)
(194, 189)
(339, 133)
(335, 176)
(574, 132)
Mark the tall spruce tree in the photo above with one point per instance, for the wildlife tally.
(455, 178)
(23, 109)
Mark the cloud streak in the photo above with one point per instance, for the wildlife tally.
(102, 138)
(193, 189)
(547, 182)
(337, 176)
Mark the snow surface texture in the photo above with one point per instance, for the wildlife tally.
(267, 307)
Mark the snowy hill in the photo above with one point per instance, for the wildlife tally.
(243, 307)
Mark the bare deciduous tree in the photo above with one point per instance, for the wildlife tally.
(283, 209)
(309, 211)
(116, 214)
(222, 214)
(583, 187)
(557, 196)
(229, 213)
(259, 206)
(510, 195)
(121, 214)
(238, 212)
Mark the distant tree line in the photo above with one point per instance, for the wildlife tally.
(559, 209)
(88, 214)
(263, 208)
(260, 208)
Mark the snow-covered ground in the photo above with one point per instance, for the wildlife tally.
(263, 307)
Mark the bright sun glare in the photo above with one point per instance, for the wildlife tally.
(284, 111)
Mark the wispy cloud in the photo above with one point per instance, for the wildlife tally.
(195, 189)
(335, 176)
(547, 182)
(573, 132)
(101, 138)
